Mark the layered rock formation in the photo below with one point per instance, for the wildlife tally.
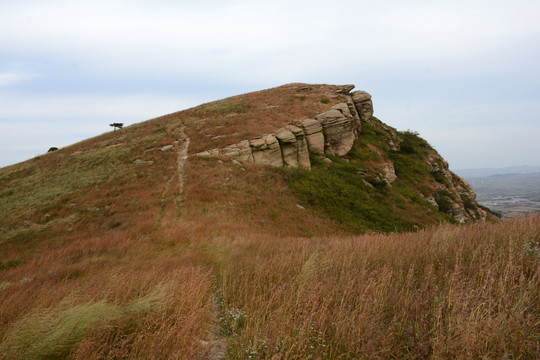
(330, 133)
(333, 133)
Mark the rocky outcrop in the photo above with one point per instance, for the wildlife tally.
(363, 104)
(454, 196)
(344, 89)
(240, 151)
(314, 136)
(302, 150)
(332, 132)
(339, 129)
(388, 172)
(266, 151)
(289, 147)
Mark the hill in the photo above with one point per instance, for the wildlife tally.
(387, 179)
(509, 194)
(484, 172)
(171, 239)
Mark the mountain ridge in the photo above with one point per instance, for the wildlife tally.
(488, 171)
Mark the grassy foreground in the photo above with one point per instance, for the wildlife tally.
(447, 292)
(102, 256)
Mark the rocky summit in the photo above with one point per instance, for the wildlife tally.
(333, 132)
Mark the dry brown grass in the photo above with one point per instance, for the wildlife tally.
(102, 268)
(233, 199)
(246, 116)
(450, 292)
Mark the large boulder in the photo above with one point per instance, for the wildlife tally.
(344, 108)
(363, 103)
(344, 89)
(266, 151)
(339, 129)
(301, 146)
(289, 147)
(314, 136)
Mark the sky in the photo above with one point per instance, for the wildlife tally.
(465, 74)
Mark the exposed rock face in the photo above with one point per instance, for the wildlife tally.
(302, 150)
(333, 132)
(314, 136)
(240, 151)
(456, 192)
(266, 151)
(339, 129)
(388, 172)
(344, 89)
(431, 200)
(289, 147)
(363, 103)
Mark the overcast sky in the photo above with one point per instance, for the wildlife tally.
(465, 74)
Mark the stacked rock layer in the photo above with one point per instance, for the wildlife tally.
(332, 132)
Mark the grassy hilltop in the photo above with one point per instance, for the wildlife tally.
(121, 247)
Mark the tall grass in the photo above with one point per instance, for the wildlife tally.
(450, 292)
(166, 322)
(165, 288)
(95, 265)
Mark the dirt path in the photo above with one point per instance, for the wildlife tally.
(216, 347)
(181, 158)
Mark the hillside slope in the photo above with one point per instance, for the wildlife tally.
(130, 245)
(364, 174)
(108, 181)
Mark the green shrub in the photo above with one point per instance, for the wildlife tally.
(325, 101)
(231, 321)
(468, 202)
(10, 264)
(444, 200)
(439, 176)
(351, 193)
(412, 143)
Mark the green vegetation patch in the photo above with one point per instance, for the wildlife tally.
(53, 333)
(339, 191)
(410, 161)
(8, 264)
(352, 193)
